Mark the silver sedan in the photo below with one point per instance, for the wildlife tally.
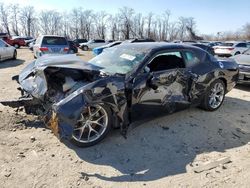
(7, 51)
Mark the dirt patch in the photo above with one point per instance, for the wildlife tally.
(158, 153)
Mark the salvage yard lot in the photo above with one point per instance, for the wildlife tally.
(160, 152)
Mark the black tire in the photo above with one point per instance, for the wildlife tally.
(14, 55)
(16, 46)
(85, 48)
(102, 136)
(237, 53)
(205, 103)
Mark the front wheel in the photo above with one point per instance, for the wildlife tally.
(214, 96)
(92, 126)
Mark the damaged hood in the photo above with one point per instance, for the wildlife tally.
(60, 61)
(33, 80)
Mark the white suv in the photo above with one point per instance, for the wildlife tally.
(92, 44)
(228, 49)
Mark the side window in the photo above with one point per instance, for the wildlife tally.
(241, 45)
(166, 61)
(2, 44)
(191, 59)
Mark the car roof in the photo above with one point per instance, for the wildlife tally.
(155, 46)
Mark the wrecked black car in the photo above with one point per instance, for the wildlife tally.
(82, 101)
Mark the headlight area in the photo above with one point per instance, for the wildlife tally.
(35, 84)
(65, 114)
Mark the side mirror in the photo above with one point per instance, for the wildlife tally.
(6, 45)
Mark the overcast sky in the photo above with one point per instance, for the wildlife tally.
(212, 16)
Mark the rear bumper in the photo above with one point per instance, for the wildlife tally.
(223, 54)
(244, 77)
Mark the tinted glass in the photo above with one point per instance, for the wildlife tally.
(54, 41)
(241, 45)
(227, 44)
(191, 59)
(2, 44)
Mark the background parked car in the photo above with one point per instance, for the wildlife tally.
(27, 42)
(92, 44)
(243, 61)
(228, 49)
(7, 51)
(205, 47)
(78, 41)
(50, 44)
(15, 41)
(99, 50)
(138, 40)
(72, 47)
(31, 45)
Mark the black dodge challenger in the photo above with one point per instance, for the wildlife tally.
(82, 101)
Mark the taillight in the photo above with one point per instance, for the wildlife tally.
(230, 49)
(66, 49)
(43, 49)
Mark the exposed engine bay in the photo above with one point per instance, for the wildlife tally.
(61, 82)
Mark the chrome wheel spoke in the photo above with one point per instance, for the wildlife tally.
(97, 110)
(91, 124)
(81, 132)
(97, 123)
(89, 134)
(216, 96)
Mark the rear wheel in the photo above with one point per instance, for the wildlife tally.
(16, 45)
(237, 53)
(85, 48)
(93, 125)
(14, 55)
(214, 96)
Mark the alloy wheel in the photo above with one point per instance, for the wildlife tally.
(91, 125)
(216, 95)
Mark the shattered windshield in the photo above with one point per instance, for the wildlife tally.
(119, 60)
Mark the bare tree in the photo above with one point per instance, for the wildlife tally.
(191, 28)
(50, 22)
(4, 17)
(246, 29)
(27, 17)
(14, 18)
(149, 20)
(165, 25)
(182, 27)
(125, 15)
(75, 20)
(114, 27)
(101, 24)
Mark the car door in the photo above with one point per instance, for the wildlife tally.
(2, 50)
(163, 87)
(241, 47)
(9, 51)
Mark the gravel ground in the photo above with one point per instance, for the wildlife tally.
(158, 153)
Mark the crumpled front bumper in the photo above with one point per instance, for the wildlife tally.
(64, 115)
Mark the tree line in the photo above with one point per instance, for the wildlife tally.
(84, 23)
